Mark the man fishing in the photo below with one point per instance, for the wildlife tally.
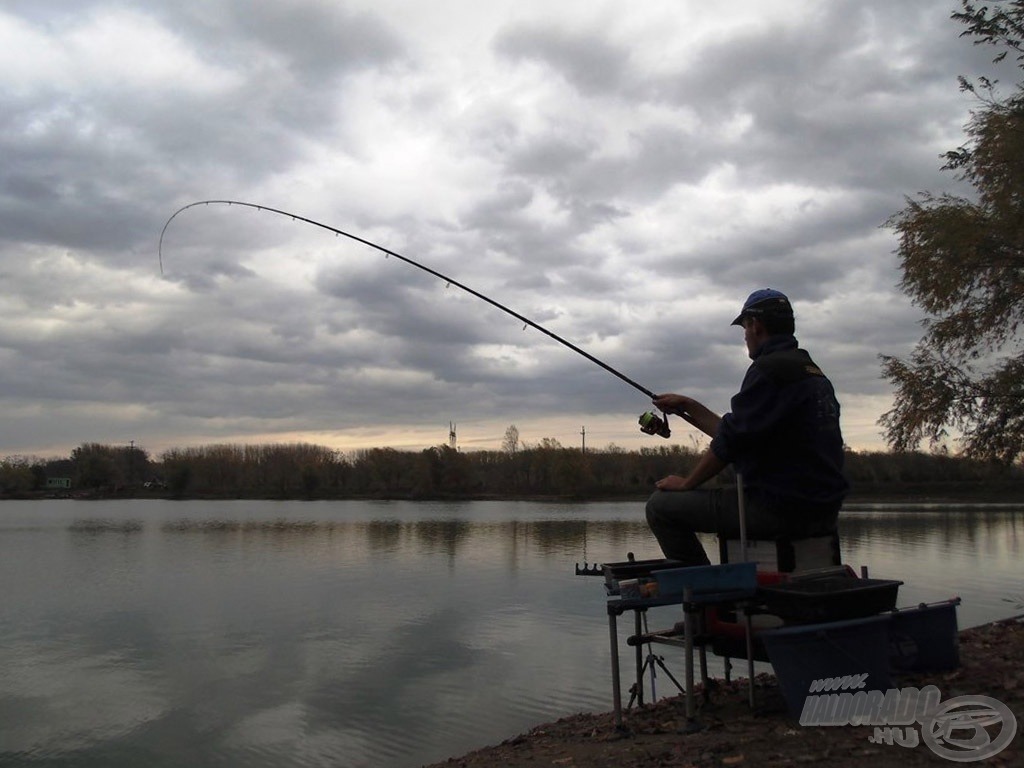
(782, 435)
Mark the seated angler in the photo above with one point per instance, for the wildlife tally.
(782, 435)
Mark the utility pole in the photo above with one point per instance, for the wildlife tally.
(583, 431)
(451, 436)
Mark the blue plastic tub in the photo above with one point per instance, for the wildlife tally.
(925, 638)
(807, 653)
(705, 580)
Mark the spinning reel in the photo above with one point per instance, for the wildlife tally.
(652, 424)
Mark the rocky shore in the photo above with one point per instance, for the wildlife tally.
(731, 734)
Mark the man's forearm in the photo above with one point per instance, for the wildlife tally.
(708, 466)
(693, 411)
(703, 418)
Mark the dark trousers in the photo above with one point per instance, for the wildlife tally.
(676, 516)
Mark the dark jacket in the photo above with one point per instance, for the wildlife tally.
(783, 433)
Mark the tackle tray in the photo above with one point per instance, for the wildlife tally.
(738, 579)
(831, 598)
(633, 569)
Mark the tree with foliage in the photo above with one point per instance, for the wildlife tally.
(16, 475)
(963, 263)
(96, 466)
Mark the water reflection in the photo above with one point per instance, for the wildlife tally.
(512, 541)
(935, 550)
(97, 526)
(916, 545)
(383, 536)
(384, 634)
(998, 531)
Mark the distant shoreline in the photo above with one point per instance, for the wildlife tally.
(918, 493)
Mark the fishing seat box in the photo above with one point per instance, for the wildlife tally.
(783, 554)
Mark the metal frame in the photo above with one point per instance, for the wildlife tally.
(691, 604)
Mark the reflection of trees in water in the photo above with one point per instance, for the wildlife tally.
(562, 537)
(990, 531)
(383, 535)
(908, 542)
(279, 535)
(557, 535)
(187, 525)
(518, 539)
(443, 535)
(98, 526)
(619, 532)
(584, 540)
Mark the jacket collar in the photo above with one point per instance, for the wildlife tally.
(777, 343)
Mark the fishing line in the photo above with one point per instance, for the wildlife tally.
(649, 422)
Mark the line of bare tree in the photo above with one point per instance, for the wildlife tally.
(301, 470)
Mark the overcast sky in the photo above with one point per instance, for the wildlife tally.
(623, 174)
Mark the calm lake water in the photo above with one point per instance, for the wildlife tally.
(361, 633)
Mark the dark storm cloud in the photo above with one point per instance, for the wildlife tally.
(854, 81)
(317, 41)
(86, 163)
(625, 193)
(591, 65)
(839, 83)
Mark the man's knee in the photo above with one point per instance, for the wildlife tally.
(650, 511)
(658, 507)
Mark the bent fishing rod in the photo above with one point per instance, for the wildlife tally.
(650, 423)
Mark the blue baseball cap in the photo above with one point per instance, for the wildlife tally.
(765, 301)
